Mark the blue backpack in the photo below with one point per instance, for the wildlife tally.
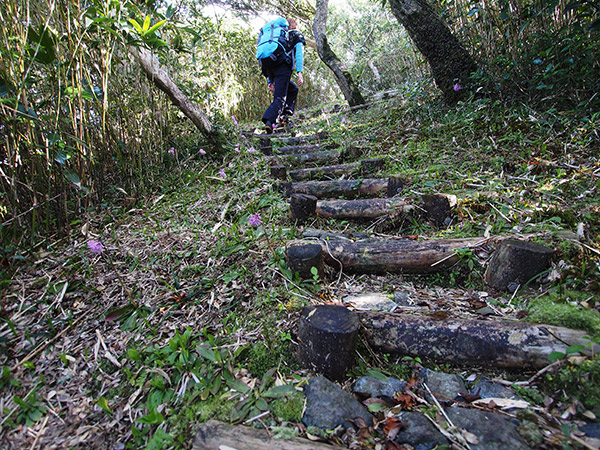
(273, 39)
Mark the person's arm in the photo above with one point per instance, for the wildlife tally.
(300, 62)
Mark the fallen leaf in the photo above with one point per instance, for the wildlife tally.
(469, 437)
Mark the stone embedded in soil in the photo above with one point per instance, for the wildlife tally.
(328, 405)
(591, 429)
(419, 432)
(493, 431)
(374, 387)
(446, 386)
(488, 389)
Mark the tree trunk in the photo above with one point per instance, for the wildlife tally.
(450, 63)
(469, 341)
(151, 66)
(339, 69)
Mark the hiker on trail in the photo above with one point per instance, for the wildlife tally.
(280, 50)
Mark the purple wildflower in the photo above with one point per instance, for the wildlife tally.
(251, 150)
(457, 87)
(95, 247)
(235, 122)
(222, 173)
(201, 151)
(172, 151)
(255, 220)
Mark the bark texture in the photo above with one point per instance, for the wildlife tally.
(159, 76)
(469, 341)
(214, 435)
(393, 255)
(340, 71)
(448, 59)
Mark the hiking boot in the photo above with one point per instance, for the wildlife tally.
(268, 127)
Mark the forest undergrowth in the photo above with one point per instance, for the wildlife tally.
(157, 315)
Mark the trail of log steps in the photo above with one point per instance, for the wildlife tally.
(360, 254)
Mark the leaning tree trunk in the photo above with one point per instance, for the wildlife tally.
(450, 63)
(340, 71)
(162, 80)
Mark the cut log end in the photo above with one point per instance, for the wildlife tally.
(438, 208)
(279, 172)
(302, 258)
(370, 166)
(302, 207)
(517, 262)
(394, 187)
(327, 336)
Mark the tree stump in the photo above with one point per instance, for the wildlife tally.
(327, 336)
(279, 172)
(302, 258)
(302, 207)
(438, 208)
(265, 146)
(394, 186)
(516, 262)
(368, 166)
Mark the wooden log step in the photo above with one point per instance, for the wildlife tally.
(295, 149)
(289, 140)
(369, 208)
(215, 435)
(303, 206)
(470, 341)
(365, 187)
(392, 255)
(322, 157)
(364, 167)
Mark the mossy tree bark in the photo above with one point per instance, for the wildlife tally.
(448, 59)
(340, 71)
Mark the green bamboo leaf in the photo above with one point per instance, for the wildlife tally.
(73, 177)
(156, 26)
(279, 391)
(136, 25)
(377, 374)
(103, 403)
(554, 356)
(146, 24)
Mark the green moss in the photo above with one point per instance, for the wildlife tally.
(289, 409)
(581, 382)
(213, 407)
(563, 310)
(261, 358)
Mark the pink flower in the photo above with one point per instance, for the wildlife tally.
(457, 87)
(255, 220)
(172, 151)
(251, 150)
(201, 151)
(343, 120)
(222, 173)
(237, 148)
(235, 122)
(95, 247)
